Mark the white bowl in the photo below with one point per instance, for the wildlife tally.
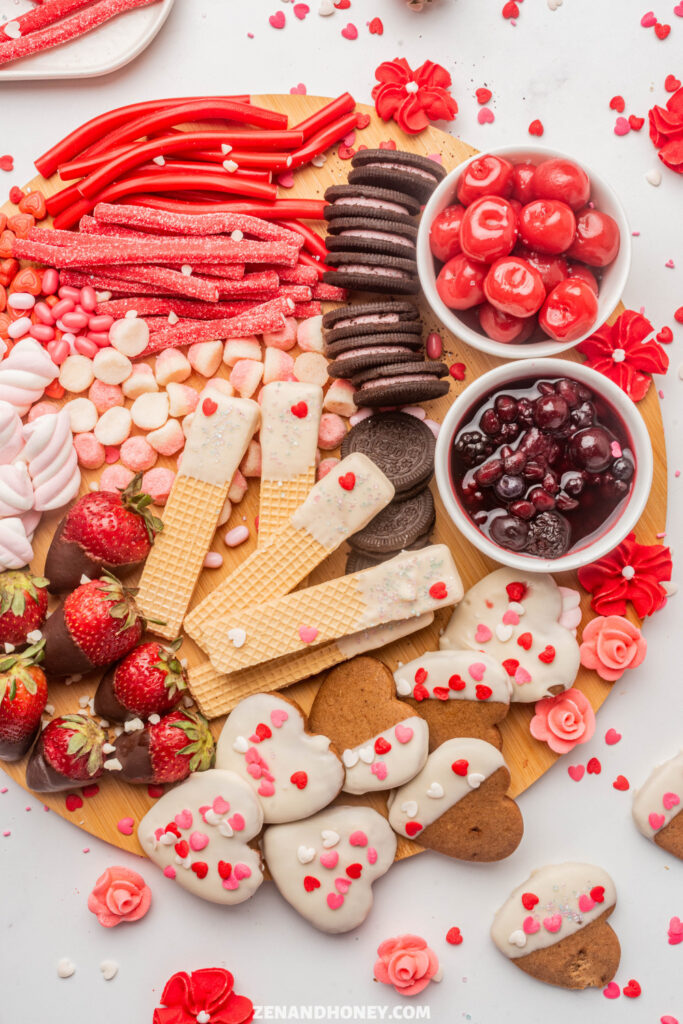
(544, 369)
(464, 323)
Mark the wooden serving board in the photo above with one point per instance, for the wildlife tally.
(526, 758)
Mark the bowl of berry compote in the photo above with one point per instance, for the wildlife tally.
(544, 465)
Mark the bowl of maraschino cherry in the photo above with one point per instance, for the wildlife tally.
(523, 252)
(544, 465)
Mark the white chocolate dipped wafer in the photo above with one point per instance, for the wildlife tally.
(338, 505)
(217, 693)
(411, 583)
(290, 420)
(221, 430)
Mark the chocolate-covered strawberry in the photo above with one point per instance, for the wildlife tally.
(97, 624)
(111, 530)
(149, 680)
(23, 695)
(67, 753)
(23, 605)
(166, 751)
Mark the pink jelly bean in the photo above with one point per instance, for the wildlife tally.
(64, 306)
(50, 282)
(100, 323)
(88, 298)
(42, 333)
(44, 313)
(68, 292)
(74, 321)
(434, 346)
(99, 338)
(58, 351)
(18, 328)
(236, 536)
(85, 347)
(213, 560)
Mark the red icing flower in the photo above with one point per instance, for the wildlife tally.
(666, 131)
(622, 353)
(205, 996)
(632, 572)
(413, 98)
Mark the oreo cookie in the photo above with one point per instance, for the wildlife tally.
(371, 319)
(412, 342)
(372, 272)
(366, 355)
(400, 384)
(401, 445)
(357, 234)
(397, 526)
(407, 173)
(369, 202)
(356, 561)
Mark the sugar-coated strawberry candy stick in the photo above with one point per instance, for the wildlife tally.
(154, 307)
(304, 310)
(190, 224)
(268, 317)
(188, 285)
(343, 104)
(298, 275)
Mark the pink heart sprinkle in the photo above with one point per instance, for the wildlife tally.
(334, 901)
(300, 11)
(379, 769)
(350, 31)
(615, 449)
(671, 800)
(286, 179)
(612, 991)
(553, 924)
(483, 634)
(266, 788)
(169, 871)
(329, 859)
(358, 839)
(675, 932)
(678, 11)
(656, 821)
(530, 926)
(667, 1018)
(298, 90)
(220, 805)
(586, 903)
(522, 676)
(126, 826)
(612, 737)
(342, 885)
(278, 717)
(648, 20)
(242, 871)
(277, 20)
(477, 670)
(372, 855)
(254, 770)
(511, 618)
(403, 733)
(198, 841)
(485, 116)
(307, 634)
(576, 772)
(236, 823)
(670, 264)
(621, 126)
(231, 883)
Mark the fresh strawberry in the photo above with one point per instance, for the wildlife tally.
(111, 530)
(97, 624)
(149, 680)
(166, 751)
(23, 695)
(68, 751)
(23, 605)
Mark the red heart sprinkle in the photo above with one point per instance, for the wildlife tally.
(299, 779)
(661, 31)
(362, 121)
(412, 828)
(536, 128)
(612, 737)
(173, 829)
(483, 692)
(438, 591)
(263, 731)
(516, 591)
(457, 371)
(382, 746)
(547, 656)
(576, 772)
(441, 692)
(593, 767)
(460, 767)
(678, 315)
(621, 782)
(665, 336)
(598, 893)
(347, 481)
(483, 95)
(224, 869)
(525, 640)
(420, 692)
(618, 103)
(453, 937)
(182, 848)
(73, 802)
(6, 163)
(311, 883)
(343, 5)
(92, 790)
(345, 152)
(633, 989)
(636, 122)
(510, 10)
(456, 682)
(389, 144)
(300, 410)
(529, 900)
(200, 868)
(421, 675)
(671, 83)
(209, 407)
(155, 792)
(376, 27)
(511, 665)
(354, 870)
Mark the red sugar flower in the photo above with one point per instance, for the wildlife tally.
(622, 353)
(205, 996)
(632, 572)
(666, 131)
(413, 98)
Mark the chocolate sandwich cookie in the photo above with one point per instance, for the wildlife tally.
(368, 355)
(407, 173)
(358, 234)
(399, 444)
(372, 272)
(400, 384)
(397, 526)
(356, 561)
(371, 318)
(367, 201)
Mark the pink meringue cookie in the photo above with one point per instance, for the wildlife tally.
(25, 374)
(16, 490)
(11, 436)
(15, 547)
(52, 461)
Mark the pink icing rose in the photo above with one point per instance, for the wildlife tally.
(611, 644)
(563, 721)
(119, 895)
(407, 963)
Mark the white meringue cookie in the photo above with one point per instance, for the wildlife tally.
(25, 374)
(52, 461)
(15, 547)
(11, 436)
(16, 490)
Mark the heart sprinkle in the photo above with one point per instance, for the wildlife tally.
(453, 937)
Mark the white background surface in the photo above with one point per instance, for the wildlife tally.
(563, 67)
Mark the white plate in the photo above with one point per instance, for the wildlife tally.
(105, 49)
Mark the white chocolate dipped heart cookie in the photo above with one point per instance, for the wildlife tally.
(658, 804)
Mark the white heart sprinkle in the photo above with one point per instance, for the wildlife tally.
(225, 149)
(330, 838)
(159, 161)
(211, 818)
(654, 177)
(515, 606)
(173, 318)
(320, 160)
(109, 969)
(65, 968)
(518, 938)
(240, 744)
(435, 791)
(12, 29)
(554, 4)
(350, 758)
(113, 765)
(409, 808)
(237, 637)
(186, 269)
(230, 166)
(326, 8)
(503, 632)
(305, 854)
(167, 839)
(108, 748)
(402, 687)
(670, 587)
(475, 779)
(226, 830)
(367, 754)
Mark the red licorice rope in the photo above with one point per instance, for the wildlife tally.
(311, 261)
(281, 209)
(343, 104)
(197, 167)
(312, 242)
(321, 141)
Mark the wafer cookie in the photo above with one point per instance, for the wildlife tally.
(411, 583)
(220, 432)
(290, 420)
(217, 693)
(350, 495)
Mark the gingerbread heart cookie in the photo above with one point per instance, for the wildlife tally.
(457, 804)
(527, 623)
(325, 866)
(458, 693)
(657, 806)
(198, 834)
(382, 744)
(554, 926)
(292, 771)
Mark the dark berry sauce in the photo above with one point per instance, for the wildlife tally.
(542, 467)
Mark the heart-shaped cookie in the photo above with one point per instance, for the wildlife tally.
(658, 806)
(209, 856)
(334, 893)
(458, 693)
(382, 745)
(530, 623)
(564, 938)
(466, 814)
(293, 771)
